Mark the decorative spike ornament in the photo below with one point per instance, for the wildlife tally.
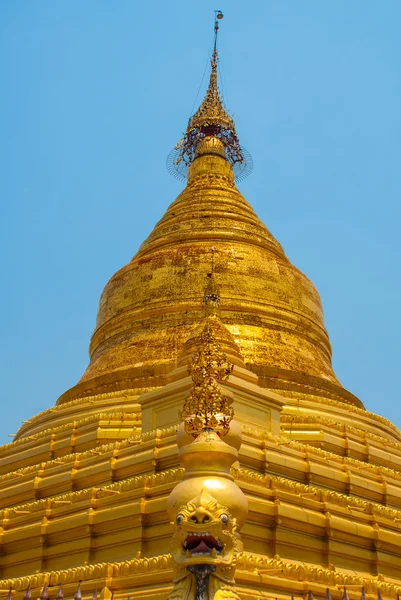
(78, 593)
(10, 594)
(328, 595)
(45, 593)
(345, 595)
(28, 593)
(363, 594)
(60, 593)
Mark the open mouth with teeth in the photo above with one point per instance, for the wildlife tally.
(202, 544)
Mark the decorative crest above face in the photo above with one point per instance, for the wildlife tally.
(204, 533)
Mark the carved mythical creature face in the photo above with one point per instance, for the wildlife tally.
(204, 533)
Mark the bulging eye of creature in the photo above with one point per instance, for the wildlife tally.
(224, 519)
(179, 519)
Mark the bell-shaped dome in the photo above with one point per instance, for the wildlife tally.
(149, 307)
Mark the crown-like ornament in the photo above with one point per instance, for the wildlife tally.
(207, 406)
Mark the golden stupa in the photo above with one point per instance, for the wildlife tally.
(298, 495)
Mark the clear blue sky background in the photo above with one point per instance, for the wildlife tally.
(94, 94)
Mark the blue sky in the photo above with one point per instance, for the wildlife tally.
(94, 96)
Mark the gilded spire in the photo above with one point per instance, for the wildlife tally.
(212, 111)
(211, 120)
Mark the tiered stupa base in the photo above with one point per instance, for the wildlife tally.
(319, 489)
